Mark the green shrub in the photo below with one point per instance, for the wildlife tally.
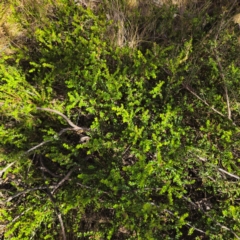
(120, 142)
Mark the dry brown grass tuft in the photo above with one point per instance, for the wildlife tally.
(13, 33)
(124, 16)
(126, 29)
(8, 29)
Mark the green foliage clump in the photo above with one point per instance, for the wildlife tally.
(120, 142)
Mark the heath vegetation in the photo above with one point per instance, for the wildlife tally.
(119, 119)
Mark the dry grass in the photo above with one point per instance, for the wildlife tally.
(125, 29)
(125, 25)
(8, 29)
(12, 33)
(124, 15)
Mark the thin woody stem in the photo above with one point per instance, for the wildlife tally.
(224, 82)
(75, 127)
(205, 102)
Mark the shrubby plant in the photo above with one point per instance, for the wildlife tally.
(133, 137)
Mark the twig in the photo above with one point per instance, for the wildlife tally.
(224, 82)
(95, 189)
(85, 186)
(59, 215)
(229, 174)
(26, 191)
(17, 217)
(188, 224)
(14, 220)
(43, 168)
(39, 145)
(5, 169)
(64, 179)
(221, 170)
(75, 127)
(44, 142)
(127, 148)
(5, 47)
(205, 102)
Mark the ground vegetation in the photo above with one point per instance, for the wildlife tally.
(120, 119)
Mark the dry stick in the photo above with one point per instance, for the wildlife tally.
(205, 102)
(27, 191)
(188, 224)
(95, 189)
(52, 199)
(75, 127)
(59, 215)
(39, 145)
(43, 168)
(17, 217)
(64, 179)
(229, 174)
(220, 169)
(225, 85)
(5, 47)
(44, 142)
(5, 169)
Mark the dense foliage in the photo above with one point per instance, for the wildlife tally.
(115, 129)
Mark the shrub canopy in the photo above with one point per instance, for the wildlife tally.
(106, 134)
